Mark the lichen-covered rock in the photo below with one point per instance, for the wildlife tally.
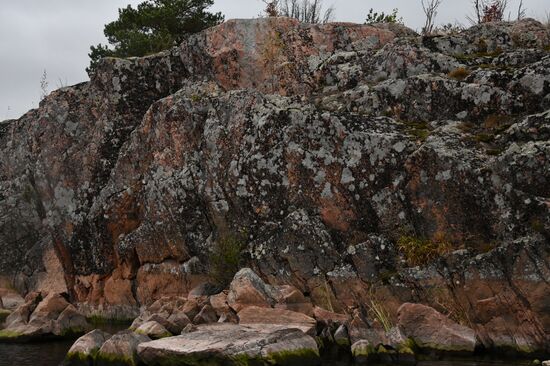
(354, 164)
(232, 345)
(247, 289)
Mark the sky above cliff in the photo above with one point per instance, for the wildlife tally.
(55, 35)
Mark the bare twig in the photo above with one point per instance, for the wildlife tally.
(430, 11)
(521, 10)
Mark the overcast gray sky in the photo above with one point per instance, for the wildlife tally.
(55, 35)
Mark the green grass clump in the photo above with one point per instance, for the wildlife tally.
(460, 73)
(378, 312)
(419, 251)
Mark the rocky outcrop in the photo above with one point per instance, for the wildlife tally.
(232, 345)
(356, 165)
(43, 318)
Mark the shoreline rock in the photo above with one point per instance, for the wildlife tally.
(231, 344)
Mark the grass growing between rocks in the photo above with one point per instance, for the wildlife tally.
(379, 313)
(420, 251)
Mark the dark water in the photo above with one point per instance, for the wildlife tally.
(44, 354)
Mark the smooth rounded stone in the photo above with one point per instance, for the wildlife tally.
(432, 330)
(290, 319)
(85, 349)
(248, 289)
(121, 349)
(231, 344)
(546, 363)
(153, 330)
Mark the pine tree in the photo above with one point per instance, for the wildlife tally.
(154, 26)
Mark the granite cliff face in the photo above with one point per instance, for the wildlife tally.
(333, 152)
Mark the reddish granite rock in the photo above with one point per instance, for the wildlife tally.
(247, 289)
(318, 147)
(223, 343)
(254, 316)
(432, 330)
(290, 298)
(205, 316)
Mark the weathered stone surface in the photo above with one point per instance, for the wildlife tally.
(43, 318)
(321, 147)
(121, 349)
(153, 330)
(205, 316)
(247, 289)
(232, 345)
(85, 349)
(254, 315)
(432, 330)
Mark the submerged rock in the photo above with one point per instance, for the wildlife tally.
(233, 345)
